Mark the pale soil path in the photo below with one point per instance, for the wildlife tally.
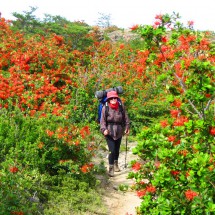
(117, 201)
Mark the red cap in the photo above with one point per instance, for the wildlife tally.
(112, 94)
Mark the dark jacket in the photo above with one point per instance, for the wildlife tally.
(116, 129)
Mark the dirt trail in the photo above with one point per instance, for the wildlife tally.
(117, 201)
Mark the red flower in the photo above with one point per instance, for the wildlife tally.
(164, 48)
(174, 172)
(183, 152)
(180, 121)
(164, 123)
(84, 168)
(32, 112)
(177, 142)
(87, 167)
(136, 166)
(174, 113)
(164, 39)
(141, 193)
(157, 23)
(58, 39)
(176, 103)
(142, 182)
(85, 131)
(190, 195)
(212, 131)
(207, 95)
(13, 169)
(171, 138)
(77, 142)
(122, 46)
(151, 189)
(159, 16)
(134, 27)
(49, 133)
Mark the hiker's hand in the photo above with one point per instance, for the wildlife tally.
(106, 132)
(127, 131)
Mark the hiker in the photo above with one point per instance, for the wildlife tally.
(113, 125)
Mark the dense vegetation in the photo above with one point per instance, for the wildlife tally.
(50, 71)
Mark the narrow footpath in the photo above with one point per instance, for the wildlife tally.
(121, 202)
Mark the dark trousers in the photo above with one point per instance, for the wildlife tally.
(114, 147)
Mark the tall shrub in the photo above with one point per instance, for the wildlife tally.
(177, 176)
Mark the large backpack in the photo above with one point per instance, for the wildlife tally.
(102, 102)
(102, 97)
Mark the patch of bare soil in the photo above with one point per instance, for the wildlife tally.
(120, 202)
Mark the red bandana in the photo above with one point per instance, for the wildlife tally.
(114, 106)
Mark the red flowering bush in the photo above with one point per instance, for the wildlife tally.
(46, 105)
(179, 150)
(48, 142)
(39, 83)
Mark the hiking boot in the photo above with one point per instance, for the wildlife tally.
(111, 170)
(116, 166)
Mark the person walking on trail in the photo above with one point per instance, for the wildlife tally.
(113, 125)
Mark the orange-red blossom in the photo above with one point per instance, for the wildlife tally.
(190, 194)
(149, 189)
(87, 167)
(164, 123)
(136, 166)
(13, 169)
(212, 131)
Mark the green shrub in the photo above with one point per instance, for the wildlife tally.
(38, 157)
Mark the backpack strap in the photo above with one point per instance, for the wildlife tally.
(106, 111)
(122, 111)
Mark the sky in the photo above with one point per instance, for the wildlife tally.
(123, 13)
